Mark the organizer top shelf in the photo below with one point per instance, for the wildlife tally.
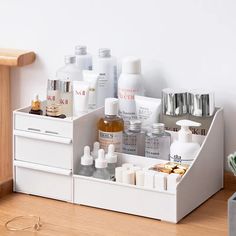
(15, 57)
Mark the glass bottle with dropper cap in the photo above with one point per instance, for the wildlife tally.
(157, 142)
(134, 139)
(110, 128)
(111, 158)
(101, 171)
(86, 167)
(94, 153)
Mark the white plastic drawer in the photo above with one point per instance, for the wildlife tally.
(43, 149)
(43, 181)
(44, 125)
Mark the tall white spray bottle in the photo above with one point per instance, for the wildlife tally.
(184, 149)
(130, 83)
(106, 67)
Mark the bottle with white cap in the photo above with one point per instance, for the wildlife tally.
(184, 149)
(94, 153)
(157, 142)
(70, 71)
(134, 139)
(111, 160)
(106, 67)
(86, 167)
(110, 128)
(83, 59)
(130, 83)
(101, 171)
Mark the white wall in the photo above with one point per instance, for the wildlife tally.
(184, 43)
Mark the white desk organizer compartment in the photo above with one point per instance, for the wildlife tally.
(202, 180)
(46, 148)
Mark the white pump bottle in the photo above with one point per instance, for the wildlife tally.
(184, 149)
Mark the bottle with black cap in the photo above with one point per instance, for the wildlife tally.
(201, 109)
(174, 107)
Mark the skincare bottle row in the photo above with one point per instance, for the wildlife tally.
(104, 167)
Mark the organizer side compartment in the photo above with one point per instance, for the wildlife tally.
(125, 198)
(205, 177)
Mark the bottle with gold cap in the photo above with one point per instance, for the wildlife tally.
(36, 106)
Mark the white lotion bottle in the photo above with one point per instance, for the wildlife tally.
(83, 59)
(70, 71)
(106, 67)
(130, 83)
(184, 149)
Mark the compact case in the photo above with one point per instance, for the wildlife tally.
(46, 160)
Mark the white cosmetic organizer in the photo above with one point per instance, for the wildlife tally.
(46, 158)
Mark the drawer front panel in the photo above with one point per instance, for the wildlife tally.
(42, 152)
(44, 184)
(43, 125)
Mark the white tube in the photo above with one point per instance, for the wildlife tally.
(80, 97)
(92, 78)
(147, 110)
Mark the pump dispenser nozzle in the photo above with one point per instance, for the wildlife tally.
(86, 159)
(111, 156)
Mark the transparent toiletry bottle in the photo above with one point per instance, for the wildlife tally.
(94, 153)
(201, 109)
(157, 142)
(53, 92)
(110, 128)
(83, 59)
(36, 106)
(106, 67)
(70, 71)
(66, 101)
(111, 158)
(130, 83)
(101, 171)
(134, 139)
(174, 107)
(86, 168)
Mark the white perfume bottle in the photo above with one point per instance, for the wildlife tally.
(66, 100)
(157, 142)
(134, 139)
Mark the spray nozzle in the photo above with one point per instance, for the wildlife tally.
(86, 159)
(185, 134)
(111, 156)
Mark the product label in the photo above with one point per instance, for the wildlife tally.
(127, 109)
(106, 138)
(130, 144)
(157, 147)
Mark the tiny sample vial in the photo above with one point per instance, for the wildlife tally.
(111, 158)
(101, 171)
(86, 168)
(53, 92)
(66, 101)
(36, 106)
(157, 142)
(134, 139)
(110, 128)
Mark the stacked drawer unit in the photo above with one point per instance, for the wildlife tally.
(47, 150)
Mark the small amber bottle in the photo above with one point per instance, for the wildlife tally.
(36, 106)
(111, 127)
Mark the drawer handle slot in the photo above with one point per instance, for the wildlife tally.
(51, 132)
(33, 129)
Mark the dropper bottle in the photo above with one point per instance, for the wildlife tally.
(111, 158)
(36, 106)
(86, 168)
(94, 153)
(101, 171)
